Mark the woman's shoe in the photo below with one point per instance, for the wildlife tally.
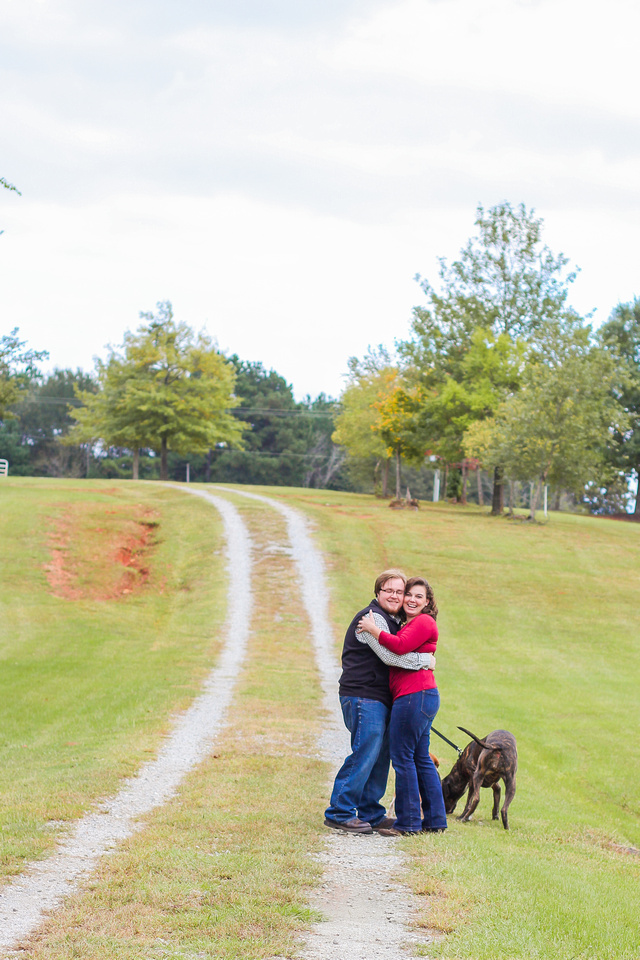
(392, 832)
(385, 824)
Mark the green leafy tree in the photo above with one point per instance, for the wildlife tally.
(43, 419)
(490, 370)
(620, 336)
(505, 280)
(44, 412)
(324, 458)
(556, 428)
(8, 186)
(358, 419)
(13, 449)
(18, 370)
(504, 286)
(165, 388)
(278, 437)
(109, 414)
(398, 406)
(287, 442)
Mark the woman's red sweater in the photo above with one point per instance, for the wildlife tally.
(419, 634)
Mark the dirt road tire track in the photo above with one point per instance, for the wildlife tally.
(368, 911)
(25, 901)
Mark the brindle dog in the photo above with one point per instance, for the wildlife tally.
(483, 764)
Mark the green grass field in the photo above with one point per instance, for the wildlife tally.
(222, 870)
(537, 635)
(87, 685)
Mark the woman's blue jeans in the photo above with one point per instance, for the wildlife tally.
(362, 780)
(416, 775)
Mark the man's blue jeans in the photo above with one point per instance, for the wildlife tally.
(416, 775)
(362, 779)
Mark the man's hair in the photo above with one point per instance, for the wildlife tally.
(431, 607)
(382, 578)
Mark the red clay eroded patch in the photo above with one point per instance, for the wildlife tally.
(100, 554)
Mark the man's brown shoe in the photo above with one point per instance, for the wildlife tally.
(349, 826)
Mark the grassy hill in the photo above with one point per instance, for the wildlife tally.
(96, 648)
(539, 635)
(112, 597)
(91, 674)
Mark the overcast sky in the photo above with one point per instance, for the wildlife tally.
(281, 169)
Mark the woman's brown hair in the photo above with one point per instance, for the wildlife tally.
(431, 607)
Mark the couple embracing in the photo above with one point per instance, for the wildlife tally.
(389, 700)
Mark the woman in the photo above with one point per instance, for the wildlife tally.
(415, 704)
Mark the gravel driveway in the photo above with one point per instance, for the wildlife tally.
(367, 910)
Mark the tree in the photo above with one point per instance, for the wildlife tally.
(286, 443)
(505, 280)
(555, 429)
(109, 414)
(165, 388)
(8, 186)
(620, 336)
(504, 286)
(275, 438)
(398, 406)
(42, 419)
(44, 410)
(18, 368)
(490, 370)
(357, 420)
(324, 458)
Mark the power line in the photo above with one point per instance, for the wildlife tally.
(264, 453)
(254, 411)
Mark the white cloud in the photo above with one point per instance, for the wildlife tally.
(565, 51)
(282, 172)
(299, 293)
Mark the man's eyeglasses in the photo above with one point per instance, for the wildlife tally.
(393, 593)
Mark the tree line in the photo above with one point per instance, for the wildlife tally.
(501, 374)
(500, 380)
(163, 401)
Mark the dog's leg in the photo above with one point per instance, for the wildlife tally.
(496, 800)
(465, 813)
(473, 799)
(509, 794)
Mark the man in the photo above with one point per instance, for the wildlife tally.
(366, 707)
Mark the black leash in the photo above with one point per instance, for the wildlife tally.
(446, 740)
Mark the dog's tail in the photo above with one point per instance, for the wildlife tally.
(483, 743)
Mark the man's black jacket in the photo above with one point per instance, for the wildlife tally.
(363, 673)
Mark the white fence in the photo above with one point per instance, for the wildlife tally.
(4, 468)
